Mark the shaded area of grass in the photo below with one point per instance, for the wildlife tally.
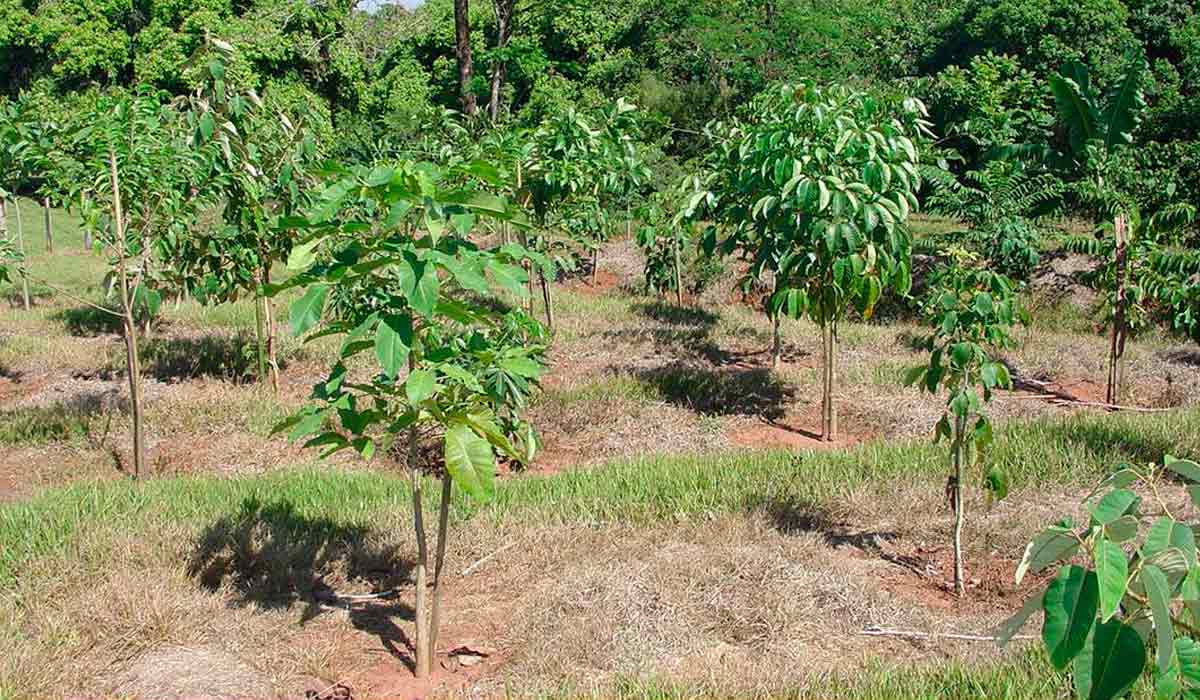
(218, 356)
(1071, 450)
(41, 425)
(267, 552)
(87, 321)
(754, 391)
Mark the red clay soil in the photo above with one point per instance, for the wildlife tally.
(605, 282)
(393, 680)
(1078, 389)
(926, 576)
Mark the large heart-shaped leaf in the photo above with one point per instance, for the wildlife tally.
(1158, 591)
(306, 311)
(470, 461)
(1070, 603)
(1110, 663)
(393, 339)
(1052, 545)
(1112, 573)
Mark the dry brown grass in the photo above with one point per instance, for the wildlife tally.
(228, 610)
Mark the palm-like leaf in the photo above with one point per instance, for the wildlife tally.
(1125, 103)
(1077, 105)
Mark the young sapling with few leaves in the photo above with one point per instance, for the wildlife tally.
(972, 311)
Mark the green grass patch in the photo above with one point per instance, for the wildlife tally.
(1026, 676)
(42, 425)
(1071, 450)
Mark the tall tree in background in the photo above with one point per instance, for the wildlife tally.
(504, 18)
(462, 51)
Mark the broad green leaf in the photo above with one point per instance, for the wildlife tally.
(1110, 663)
(424, 296)
(1172, 562)
(303, 255)
(1070, 603)
(306, 311)
(961, 353)
(1113, 505)
(510, 277)
(1124, 104)
(1158, 591)
(1187, 654)
(1051, 545)
(522, 367)
(1165, 533)
(1009, 628)
(462, 376)
(1112, 574)
(914, 374)
(393, 339)
(485, 425)
(990, 373)
(1186, 468)
(996, 483)
(419, 385)
(1122, 529)
(207, 126)
(380, 175)
(470, 461)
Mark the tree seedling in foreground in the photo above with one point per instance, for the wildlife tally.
(972, 312)
(388, 266)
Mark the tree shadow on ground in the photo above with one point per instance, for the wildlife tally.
(89, 322)
(272, 556)
(228, 357)
(791, 517)
(734, 391)
(1182, 356)
(676, 315)
(379, 619)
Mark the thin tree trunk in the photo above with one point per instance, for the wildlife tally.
(49, 229)
(504, 9)
(1116, 349)
(134, 369)
(595, 263)
(528, 278)
(462, 51)
(547, 300)
(260, 335)
(776, 340)
(828, 410)
(678, 275)
(527, 263)
(438, 561)
(958, 457)
(25, 298)
(269, 322)
(87, 231)
(422, 661)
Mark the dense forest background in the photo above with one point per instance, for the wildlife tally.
(980, 65)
